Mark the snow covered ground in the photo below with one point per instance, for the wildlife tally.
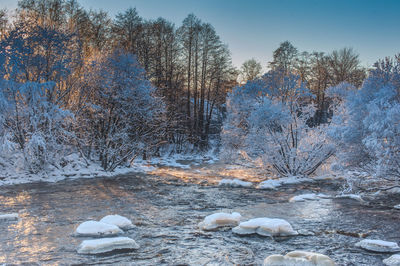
(77, 167)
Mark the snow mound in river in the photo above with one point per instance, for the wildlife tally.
(290, 180)
(8, 216)
(234, 183)
(94, 228)
(265, 227)
(393, 260)
(378, 245)
(102, 245)
(310, 196)
(299, 258)
(220, 219)
(118, 220)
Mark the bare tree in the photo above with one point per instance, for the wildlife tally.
(250, 70)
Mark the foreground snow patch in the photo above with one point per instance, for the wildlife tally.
(393, 260)
(378, 245)
(118, 220)
(310, 196)
(299, 258)
(103, 245)
(265, 227)
(234, 183)
(8, 216)
(220, 219)
(94, 228)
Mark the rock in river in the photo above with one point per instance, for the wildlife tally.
(234, 183)
(299, 258)
(220, 219)
(118, 220)
(103, 245)
(8, 216)
(378, 245)
(94, 228)
(265, 227)
(393, 260)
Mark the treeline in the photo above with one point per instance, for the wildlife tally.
(313, 109)
(111, 88)
(318, 70)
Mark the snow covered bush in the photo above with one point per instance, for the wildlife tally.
(37, 127)
(122, 113)
(366, 124)
(270, 118)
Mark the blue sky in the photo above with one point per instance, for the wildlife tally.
(254, 28)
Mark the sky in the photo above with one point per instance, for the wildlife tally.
(255, 28)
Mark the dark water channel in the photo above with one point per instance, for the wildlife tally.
(166, 212)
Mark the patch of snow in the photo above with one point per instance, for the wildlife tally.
(378, 245)
(350, 196)
(270, 184)
(118, 220)
(299, 258)
(310, 196)
(9, 216)
(220, 219)
(397, 207)
(393, 260)
(234, 183)
(290, 180)
(94, 228)
(265, 227)
(102, 245)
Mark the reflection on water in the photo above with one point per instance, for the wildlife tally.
(167, 211)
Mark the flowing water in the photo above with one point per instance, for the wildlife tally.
(166, 210)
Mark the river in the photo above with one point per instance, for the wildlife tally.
(166, 209)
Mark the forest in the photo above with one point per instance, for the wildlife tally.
(76, 81)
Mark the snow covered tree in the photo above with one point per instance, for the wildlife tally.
(38, 127)
(366, 125)
(269, 118)
(123, 114)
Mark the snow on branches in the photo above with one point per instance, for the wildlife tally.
(271, 119)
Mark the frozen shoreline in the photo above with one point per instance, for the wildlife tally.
(77, 170)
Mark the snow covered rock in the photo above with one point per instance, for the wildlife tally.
(94, 228)
(395, 190)
(234, 183)
(102, 245)
(220, 219)
(393, 260)
(299, 258)
(118, 220)
(290, 180)
(8, 216)
(350, 196)
(270, 184)
(397, 207)
(310, 196)
(265, 227)
(378, 245)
